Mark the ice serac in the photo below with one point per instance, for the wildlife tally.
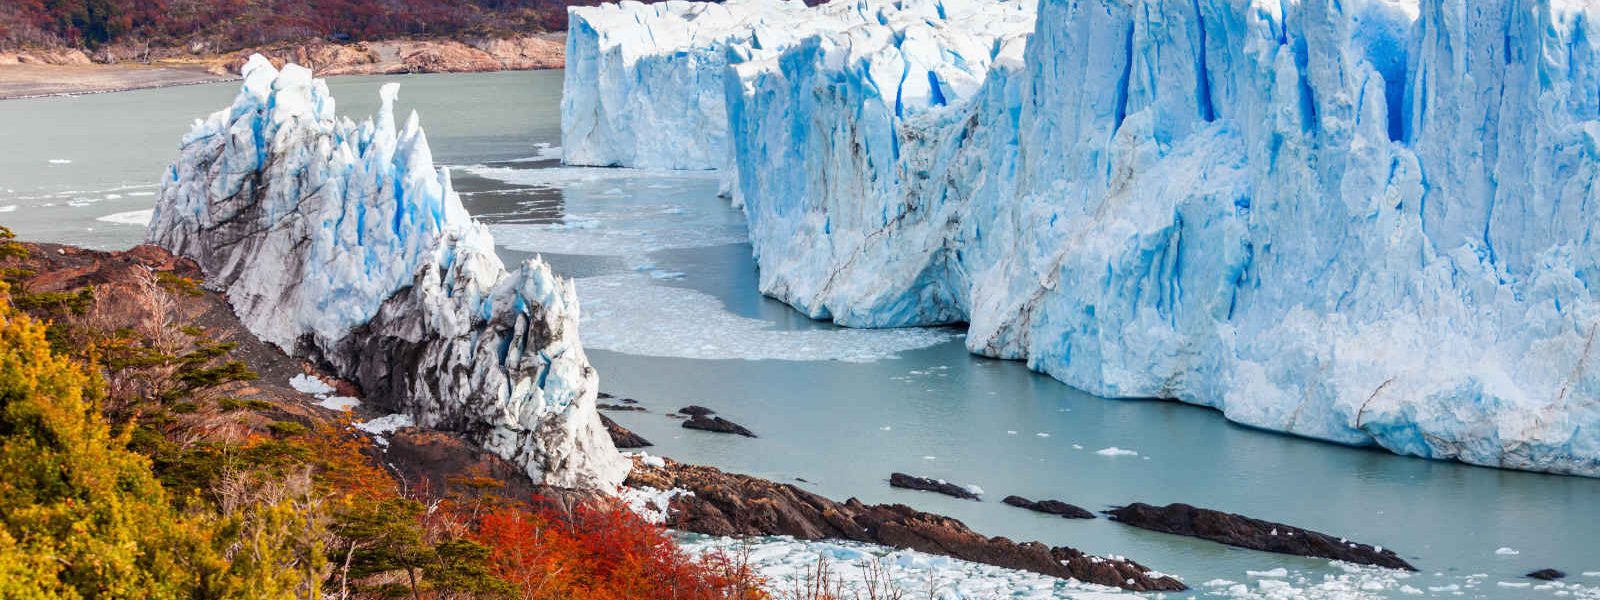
(1364, 221)
(343, 244)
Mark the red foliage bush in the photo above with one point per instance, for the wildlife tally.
(603, 553)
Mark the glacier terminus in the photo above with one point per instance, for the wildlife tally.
(1370, 222)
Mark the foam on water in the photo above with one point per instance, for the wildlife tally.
(628, 313)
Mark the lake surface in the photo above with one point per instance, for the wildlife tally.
(672, 317)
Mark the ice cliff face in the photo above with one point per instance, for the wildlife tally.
(343, 244)
(644, 83)
(1365, 221)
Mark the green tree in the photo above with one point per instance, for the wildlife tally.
(82, 516)
(82, 511)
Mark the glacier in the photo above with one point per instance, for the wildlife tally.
(1362, 221)
(644, 83)
(341, 243)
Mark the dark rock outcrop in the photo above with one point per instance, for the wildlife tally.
(716, 424)
(737, 505)
(623, 437)
(620, 407)
(1547, 574)
(1053, 507)
(937, 486)
(695, 410)
(1255, 534)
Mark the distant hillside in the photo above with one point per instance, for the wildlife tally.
(213, 26)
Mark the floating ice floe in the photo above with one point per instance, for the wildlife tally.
(1115, 451)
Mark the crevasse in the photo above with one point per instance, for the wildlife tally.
(1364, 221)
(342, 244)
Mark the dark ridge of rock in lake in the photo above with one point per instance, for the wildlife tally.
(1052, 507)
(937, 486)
(728, 504)
(1254, 534)
(620, 407)
(695, 410)
(623, 437)
(717, 424)
(1547, 574)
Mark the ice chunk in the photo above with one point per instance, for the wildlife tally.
(344, 243)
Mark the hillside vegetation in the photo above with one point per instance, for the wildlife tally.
(225, 25)
(148, 454)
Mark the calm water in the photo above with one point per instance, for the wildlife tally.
(671, 312)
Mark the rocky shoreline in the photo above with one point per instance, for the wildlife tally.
(729, 504)
(36, 73)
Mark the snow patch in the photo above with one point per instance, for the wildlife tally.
(649, 503)
(307, 384)
(386, 424)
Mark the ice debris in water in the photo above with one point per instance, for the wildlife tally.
(629, 313)
(786, 562)
(1134, 197)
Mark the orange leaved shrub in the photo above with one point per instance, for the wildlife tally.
(550, 551)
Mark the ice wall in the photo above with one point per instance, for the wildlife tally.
(1365, 221)
(644, 83)
(343, 244)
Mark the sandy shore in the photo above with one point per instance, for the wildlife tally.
(25, 81)
(71, 73)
